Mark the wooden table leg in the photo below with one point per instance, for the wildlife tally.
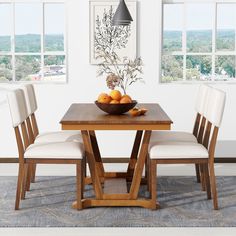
(120, 198)
(134, 154)
(153, 184)
(79, 180)
(92, 164)
(140, 165)
(96, 153)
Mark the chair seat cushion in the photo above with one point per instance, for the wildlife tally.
(59, 136)
(177, 136)
(172, 150)
(60, 150)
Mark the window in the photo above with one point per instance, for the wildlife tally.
(198, 40)
(32, 41)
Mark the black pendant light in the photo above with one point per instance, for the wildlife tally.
(122, 15)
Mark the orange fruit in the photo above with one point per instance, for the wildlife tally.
(104, 98)
(138, 112)
(125, 100)
(116, 95)
(143, 111)
(135, 112)
(114, 102)
(126, 96)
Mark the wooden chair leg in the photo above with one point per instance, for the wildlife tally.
(213, 185)
(148, 170)
(207, 180)
(202, 174)
(28, 181)
(79, 177)
(153, 167)
(197, 168)
(23, 192)
(19, 186)
(85, 166)
(146, 167)
(33, 173)
(150, 175)
(83, 176)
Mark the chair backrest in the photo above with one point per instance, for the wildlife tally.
(32, 106)
(30, 97)
(202, 97)
(20, 121)
(215, 104)
(215, 107)
(200, 108)
(17, 104)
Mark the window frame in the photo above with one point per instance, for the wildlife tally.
(42, 52)
(214, 53)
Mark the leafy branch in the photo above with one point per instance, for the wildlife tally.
(108, 40)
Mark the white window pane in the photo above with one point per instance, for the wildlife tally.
(54, 27)
(172, 68)
(54, 68)
(198, 68)
(225, 68)
(28, 25)
(28, 68)
(199, 22)
(172, 27)
(226, 26)
(5, 27)
(5, 68)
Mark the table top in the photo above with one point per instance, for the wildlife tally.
(90, 114)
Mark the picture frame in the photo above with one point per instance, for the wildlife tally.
(97, 8)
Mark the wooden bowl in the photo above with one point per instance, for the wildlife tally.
(116, 109)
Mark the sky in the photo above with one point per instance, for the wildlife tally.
(199, 16)
(28, 18)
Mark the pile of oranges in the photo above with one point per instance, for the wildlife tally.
(115, 97)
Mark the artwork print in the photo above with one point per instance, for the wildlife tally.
(120, 40)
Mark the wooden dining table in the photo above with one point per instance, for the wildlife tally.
(117, 188)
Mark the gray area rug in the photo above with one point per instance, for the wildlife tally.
(183, 204)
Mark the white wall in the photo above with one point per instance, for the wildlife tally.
(83, 86)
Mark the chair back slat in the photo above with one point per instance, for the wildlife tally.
(25, 135)
(196, 124)
(207, 134)
(34, 125)
(215, 108)
(30, 131)
(17, 106)
(20, 145)
(201, 130)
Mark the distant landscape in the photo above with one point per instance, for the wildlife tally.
(29, 67)
(198, 67)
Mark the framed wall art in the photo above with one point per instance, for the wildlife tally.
(119, 39)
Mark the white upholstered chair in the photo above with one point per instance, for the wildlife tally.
(200, 107)
(183, 152)
(40, 153)
(52, 136)
(45, 137)
(198, 128)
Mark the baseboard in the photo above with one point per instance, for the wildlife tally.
(9, 160)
